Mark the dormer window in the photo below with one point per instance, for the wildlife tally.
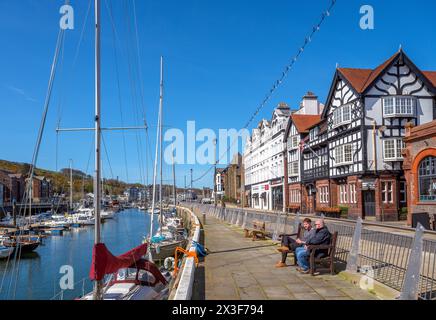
(399, 106)
(342, 115)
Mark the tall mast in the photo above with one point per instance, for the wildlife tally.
(160, 134)
(97, 176)
(174, 181)
(71, 184)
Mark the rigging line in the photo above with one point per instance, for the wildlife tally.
(82, 32)
(134, 93)
(141, 82)
(40, 135)
(109, 9)
(60, 104)
(107, 156)
(308, 39)
(138, 116)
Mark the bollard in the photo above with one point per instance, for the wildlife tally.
(410, 290)
(204, 219)
(354, 252)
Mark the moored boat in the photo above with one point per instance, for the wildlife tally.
(5, 252)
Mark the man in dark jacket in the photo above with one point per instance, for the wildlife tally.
(321, 237)
(289, 244)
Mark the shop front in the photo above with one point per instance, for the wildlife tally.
(277, 195)
(261, 197)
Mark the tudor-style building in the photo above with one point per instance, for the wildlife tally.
(297, 130)
(316, 190)
(366, 114)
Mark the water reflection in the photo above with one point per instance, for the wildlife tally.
(36, 275)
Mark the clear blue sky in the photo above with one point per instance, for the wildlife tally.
(221, 59)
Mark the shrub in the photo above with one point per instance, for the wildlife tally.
(403, 214)
(344, 211)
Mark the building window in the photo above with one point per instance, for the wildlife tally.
(344, 154)
(313, 134)
(295, 196)
(392, 149)
(343, 194)
(294, 142)
(342, 115)
(294, 168)
(403, 192)
(353, 193)
(427, 179)
(323, 194)
(399, 106)
(387, 192)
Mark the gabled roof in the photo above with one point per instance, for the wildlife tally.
(362, 79)
(431, 75)
(303, 122)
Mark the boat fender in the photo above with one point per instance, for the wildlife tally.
(169, 263)
(201, 251)
(158, 249)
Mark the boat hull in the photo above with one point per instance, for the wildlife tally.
(167, 250)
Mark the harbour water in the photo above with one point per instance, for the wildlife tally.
(37, 276)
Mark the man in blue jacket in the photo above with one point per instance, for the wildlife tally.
(322, 237)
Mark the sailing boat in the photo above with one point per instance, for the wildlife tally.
(164, 243)
(132, 276)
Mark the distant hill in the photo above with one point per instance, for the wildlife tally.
(61, 180)
(81, 181)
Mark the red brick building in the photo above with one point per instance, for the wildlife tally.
(420, 169)
(12, 186)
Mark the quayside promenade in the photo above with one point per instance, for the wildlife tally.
(238, 268)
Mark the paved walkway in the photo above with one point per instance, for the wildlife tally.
(240, 269)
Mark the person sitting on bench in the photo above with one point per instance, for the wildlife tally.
(289, 244)
(322, 236)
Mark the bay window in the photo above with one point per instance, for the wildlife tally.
(342, 115)
(399, 106)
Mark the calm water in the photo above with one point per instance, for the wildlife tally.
(38, 273)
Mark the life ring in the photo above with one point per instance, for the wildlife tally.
(169, 263)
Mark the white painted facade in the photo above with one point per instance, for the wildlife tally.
(264, 160)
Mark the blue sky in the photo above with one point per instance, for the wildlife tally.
(221, 58)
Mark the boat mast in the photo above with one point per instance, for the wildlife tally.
(97, 176)
(160, 134)
(71, 184)
(158, 140)
(174, 180)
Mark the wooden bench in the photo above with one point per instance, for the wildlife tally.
(257, 232)
(297, 236)
(329, 259)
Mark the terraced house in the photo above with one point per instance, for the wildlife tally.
(264, 162)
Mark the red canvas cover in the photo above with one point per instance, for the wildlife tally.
(103, 262)
(151, 267)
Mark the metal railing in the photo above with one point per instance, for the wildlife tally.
(385, 253)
